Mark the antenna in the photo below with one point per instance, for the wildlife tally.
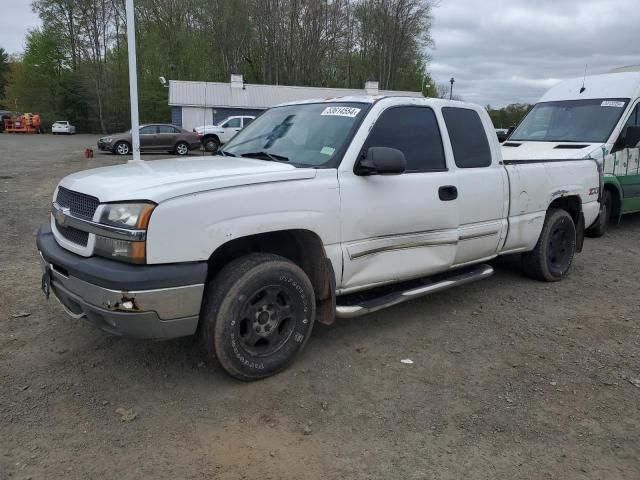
(584, 79)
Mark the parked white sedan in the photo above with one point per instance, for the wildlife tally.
(62, 127)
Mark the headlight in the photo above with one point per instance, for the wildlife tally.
(106, 139)
(130, 216)
(127, 215)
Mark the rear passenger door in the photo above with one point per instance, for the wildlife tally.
(397, 227)
(482, 185)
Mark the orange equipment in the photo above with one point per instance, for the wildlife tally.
(25, 123)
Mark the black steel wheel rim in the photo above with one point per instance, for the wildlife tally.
(266, 321)
(559, 248)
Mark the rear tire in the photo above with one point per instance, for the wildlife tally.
(599, 228)
(257, 315)
(551, 259)
(182, 148)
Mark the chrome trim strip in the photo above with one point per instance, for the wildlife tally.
(391, 299)
(473, 236)
(403, 246)
(64, 218)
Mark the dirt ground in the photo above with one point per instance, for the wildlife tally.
(511, 378)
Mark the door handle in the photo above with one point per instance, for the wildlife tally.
(448, 193)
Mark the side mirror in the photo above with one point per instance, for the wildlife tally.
(382, 161)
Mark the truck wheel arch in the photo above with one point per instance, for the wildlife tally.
(617, 196)
(572, 204)
(303, 247)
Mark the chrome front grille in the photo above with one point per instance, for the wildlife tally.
(73, 235)
(80, 205)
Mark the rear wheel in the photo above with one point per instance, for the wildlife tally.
(257, 315)
(182, 148)
(551, 259)
(599, 228)
(211, 144)
(122, 148)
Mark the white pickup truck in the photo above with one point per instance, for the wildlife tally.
(320, 209)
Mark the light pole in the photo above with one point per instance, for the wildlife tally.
(133, 80)
(452, 81)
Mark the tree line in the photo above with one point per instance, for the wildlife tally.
(75, 66)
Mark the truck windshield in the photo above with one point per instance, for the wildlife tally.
(571, 121)
(306, 135)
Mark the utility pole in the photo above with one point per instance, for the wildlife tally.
(452, 81)
(133, 80)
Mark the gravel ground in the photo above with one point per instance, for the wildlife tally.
(511, 378)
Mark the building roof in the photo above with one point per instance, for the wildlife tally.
(218, 94)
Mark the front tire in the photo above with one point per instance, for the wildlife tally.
(551, 259)
(257, 315)
(122, 148)
(211, 144)
(599, 228)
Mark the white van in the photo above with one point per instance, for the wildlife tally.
(593, 117)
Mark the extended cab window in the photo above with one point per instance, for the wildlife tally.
(468, 137)
(232, 123)
(414, 131)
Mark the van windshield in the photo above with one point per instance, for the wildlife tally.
(305, 135)
(590, 121)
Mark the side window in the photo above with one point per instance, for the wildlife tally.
(233, 123)
(634, 118)
(148, 130)
(166, 129)
(247, 121)
(468, 137)
(414, 131)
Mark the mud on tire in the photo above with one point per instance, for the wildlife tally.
(257, 315)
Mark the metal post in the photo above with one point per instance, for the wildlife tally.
(133, 80)
(452, 81)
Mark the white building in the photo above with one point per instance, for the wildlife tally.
(201, 103)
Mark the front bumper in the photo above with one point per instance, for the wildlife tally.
(138, 301)
(105, 146)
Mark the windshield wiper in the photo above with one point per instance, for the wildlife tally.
(272, 157)
(226, 154)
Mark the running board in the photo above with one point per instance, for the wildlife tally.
(364, 306)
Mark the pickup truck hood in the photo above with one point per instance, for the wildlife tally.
(159, 180)
(515, 150)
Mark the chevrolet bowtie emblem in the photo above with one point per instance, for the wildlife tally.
(61, 215)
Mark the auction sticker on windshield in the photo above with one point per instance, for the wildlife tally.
(341, 111)
(611, 103)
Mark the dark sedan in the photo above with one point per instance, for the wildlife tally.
(153, 138)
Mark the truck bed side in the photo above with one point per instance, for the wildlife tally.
(535, 184)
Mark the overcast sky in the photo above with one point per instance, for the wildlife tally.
(511, 51)
(499, 51)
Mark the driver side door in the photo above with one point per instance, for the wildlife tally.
(398, 227)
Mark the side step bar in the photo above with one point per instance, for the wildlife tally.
(427, 287)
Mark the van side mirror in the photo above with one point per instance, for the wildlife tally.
(382, 161)
(631, 137)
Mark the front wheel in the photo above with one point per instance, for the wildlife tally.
(211, 144)
(551, 259)
(257, 315)
(598, 229)
(122, 148)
